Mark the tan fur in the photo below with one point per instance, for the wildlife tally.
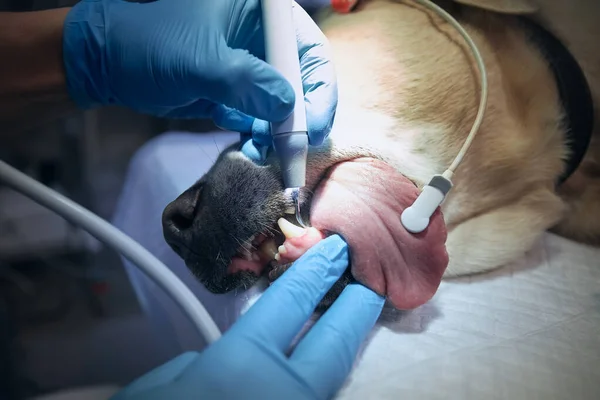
(408, 81)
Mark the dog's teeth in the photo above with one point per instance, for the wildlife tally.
(290, 230)
(269, 249)
(290, 210)
(281, 249)
(258, 239)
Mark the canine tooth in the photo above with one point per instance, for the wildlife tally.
(289, 230)
(269, 249)
(258, 239)
(281, 249)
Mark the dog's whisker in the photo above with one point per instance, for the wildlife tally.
(236, 239)
(207, 153)
(217, 146)
(248, 245)
(245, 244)
(268, 228)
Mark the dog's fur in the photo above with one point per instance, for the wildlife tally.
(409, 92)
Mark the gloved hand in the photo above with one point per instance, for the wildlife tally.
(250, 361)
(194, 59)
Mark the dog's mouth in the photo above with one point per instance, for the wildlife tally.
(361, 200)
(258, 253)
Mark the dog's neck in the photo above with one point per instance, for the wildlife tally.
(575, 94)
(368, 131)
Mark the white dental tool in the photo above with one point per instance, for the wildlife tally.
(415, 218)
(290, 137)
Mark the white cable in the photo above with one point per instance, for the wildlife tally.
(415, 218)
(119, 241)
(483, 77)
(484, 84)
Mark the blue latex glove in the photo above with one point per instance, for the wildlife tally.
(250, 361)
(194, 59)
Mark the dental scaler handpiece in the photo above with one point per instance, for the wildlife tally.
(290, 137)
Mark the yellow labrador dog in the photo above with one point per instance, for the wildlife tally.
(409, 92)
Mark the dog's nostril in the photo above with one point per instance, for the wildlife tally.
(179, 215)
(178, 218)
(181, 221)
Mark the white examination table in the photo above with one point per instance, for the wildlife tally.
(531, 331)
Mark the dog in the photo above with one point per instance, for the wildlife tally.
(409, 93)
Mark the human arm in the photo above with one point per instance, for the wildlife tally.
(32, 77)
(166, 58)
(250, 360)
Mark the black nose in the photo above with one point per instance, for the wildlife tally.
(178, 219)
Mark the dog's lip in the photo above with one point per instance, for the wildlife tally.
(182, 249)
(362, 201)
(265, 266)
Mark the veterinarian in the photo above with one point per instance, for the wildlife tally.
(203, 59)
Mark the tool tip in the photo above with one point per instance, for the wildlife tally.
(294, 194)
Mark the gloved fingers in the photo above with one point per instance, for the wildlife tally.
(254, 151)
(324, 357)
(318, 76)
(319, 86)
(162, 378)
(222, 116)
(232, 120)
(261, 132)
(241, 81)
(227, 119)
(279, 315)
(197, 109)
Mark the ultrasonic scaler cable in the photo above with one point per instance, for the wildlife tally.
(415, 218)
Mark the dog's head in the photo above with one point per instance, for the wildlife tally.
(220, 223)
(219, 216)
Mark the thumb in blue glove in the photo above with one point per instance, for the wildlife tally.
(250, 360)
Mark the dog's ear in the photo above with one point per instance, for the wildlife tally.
(504, 6)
